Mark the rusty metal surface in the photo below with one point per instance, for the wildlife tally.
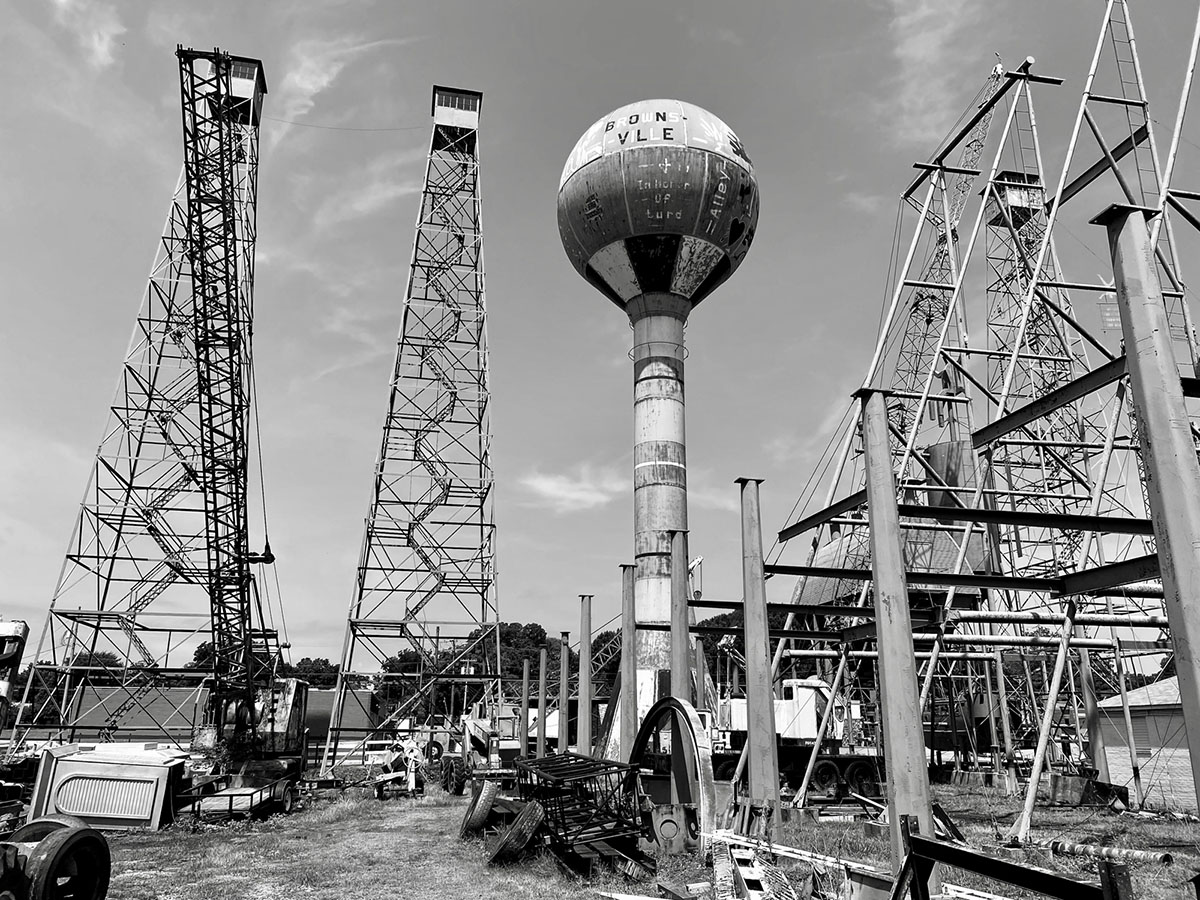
(692, 771)
(592, 811)
(658, 196)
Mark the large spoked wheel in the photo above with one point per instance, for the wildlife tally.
(674, 724)
(69, 864)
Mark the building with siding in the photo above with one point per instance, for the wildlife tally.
(1160, 745)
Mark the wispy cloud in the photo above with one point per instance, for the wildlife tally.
(705, 492)
(109, 111)
(95, 25)
(805, 445)
(931, 62)
(314, 64)
(588, 487)
(387, 179)
(863, 202)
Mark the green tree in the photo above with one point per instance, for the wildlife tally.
(319, 673)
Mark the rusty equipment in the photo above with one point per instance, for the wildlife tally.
(672, 754)
(54, 858)
(592, 810)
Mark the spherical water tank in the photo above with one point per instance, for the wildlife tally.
(657, 197)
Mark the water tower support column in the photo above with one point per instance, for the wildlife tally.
(659, 475)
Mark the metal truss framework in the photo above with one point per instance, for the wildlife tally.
(159, 561)
(425, 592)
(1038, 518)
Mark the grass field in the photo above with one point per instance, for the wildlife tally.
(356, 848)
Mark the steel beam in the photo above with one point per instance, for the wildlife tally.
(903, 738)
(628, 698)
(855, 500)
(681, 681)
(564, 691)
(524, 736)
(936, 579)
(1065, 521)
(1098, 168)
(1168, 450)
(543, 702)
(1048, 403)
(584, 728)
(760, 694)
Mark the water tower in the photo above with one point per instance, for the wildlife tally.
(657, 206)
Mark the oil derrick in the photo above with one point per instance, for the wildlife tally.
(424, 606)
(156, 594)
(1029, 548)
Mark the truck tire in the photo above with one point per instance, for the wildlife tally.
(824, 777)
(458, 776)
(38, 829)
(483, 795)
(518, 835)
(862, 779)
(726, 770)
(478, 814)
(69, 862)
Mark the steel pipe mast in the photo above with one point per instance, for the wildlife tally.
(156, 600)
(424, 606)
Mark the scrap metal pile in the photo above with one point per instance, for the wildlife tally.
(587, 811)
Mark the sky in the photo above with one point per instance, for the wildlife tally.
(833, 99)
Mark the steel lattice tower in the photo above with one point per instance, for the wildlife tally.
(424, 604)
(159, 561)
(1020, 482)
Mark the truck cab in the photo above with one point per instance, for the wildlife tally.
(798, 713)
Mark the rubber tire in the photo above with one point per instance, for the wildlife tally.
(824, 777)
(478, 814)
(862, 780)
(67, 848)
(470, 807)
(287, 803)
(40, 828)
(725, 771)
(458, 776)
(518, 835)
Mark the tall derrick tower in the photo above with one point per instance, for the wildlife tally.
(1027, 533)
(424, 606)
(156, 594)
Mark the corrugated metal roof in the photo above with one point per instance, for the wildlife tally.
(1161, 693)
